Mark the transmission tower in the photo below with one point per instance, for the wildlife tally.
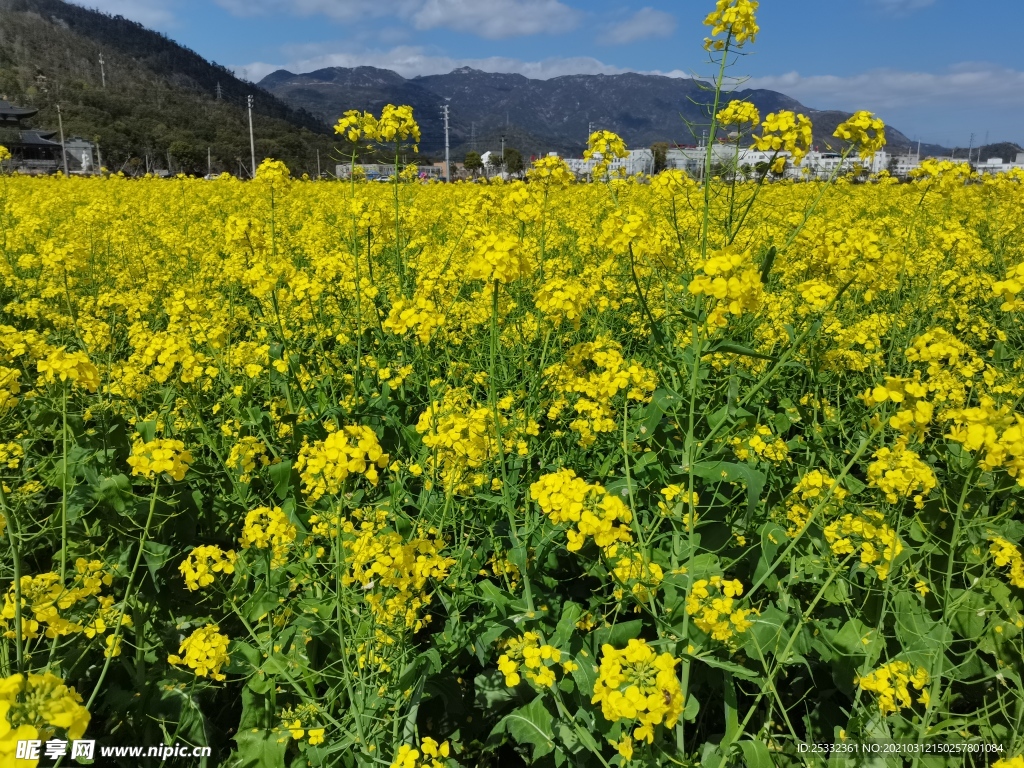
(220, 92)
(103, 73)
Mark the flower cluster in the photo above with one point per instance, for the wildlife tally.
(297, 720)
(429, 755)
(56, 609)
(891, 681)
(203, 562)
(397, 124)
(761, 443)
(595, 373)
(205, 651)
(461, 437)
(735, 18)
(785, 131)
(899, 473)
(729, 277)
(713, 605)
(418, 314)
(1009, 290)
(914, 412)
(605, 147)
(865, 131)
(393, 573)
(76, 367)
(158, 457)
(566, 498)
(325, 465)
(636, 571)
(273, 171)
(867, 533)
(1006, 554)
(812, 486)
(244, 455)
(37, 707)
(497, 258)
(269, 528)
(739, 113)
(536, 662)
(638, 685)
(995, 432)
(550, 171)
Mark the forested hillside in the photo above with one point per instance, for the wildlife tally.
(160, 101)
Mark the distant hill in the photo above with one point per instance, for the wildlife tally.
(159, 95)
(545, 115)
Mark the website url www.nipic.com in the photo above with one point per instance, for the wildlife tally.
(86, 749)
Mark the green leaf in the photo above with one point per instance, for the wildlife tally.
(261, 749)
(733, 348)
(731, 472)
(729, 666)
(617, 634)
(533, 725)
(571, 613)
(281, 477)
(113, 491)
(756, 754)
(156, 555)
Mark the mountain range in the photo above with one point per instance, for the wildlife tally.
(538, 116)
(157, 100)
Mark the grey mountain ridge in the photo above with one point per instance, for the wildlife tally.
(539, 116)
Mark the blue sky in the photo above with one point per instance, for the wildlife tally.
(937, 70)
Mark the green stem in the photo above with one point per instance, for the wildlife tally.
(127, 594)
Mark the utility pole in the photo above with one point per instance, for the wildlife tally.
(63, 152)
(472, 137)
(447, 161)
(970, 149)
(209, 163)
(318, 163)
(99, 156)
(503, 150)
(103, 73)
(252, 141)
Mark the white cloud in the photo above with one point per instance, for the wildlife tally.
(645, 24)
(496, 19)
(410, 61)
(149, 13)
(970, 84)
(492, 19)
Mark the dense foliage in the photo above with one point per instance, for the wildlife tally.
(647, 471)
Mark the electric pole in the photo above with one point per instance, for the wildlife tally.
(252, 141)
(103, 73)
(318, 163)
(209, 163)
(63, 152)
(447, 161)
(503, 150)
(970, 149)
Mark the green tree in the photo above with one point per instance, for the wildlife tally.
(660, 152)
(514, 162)
(186, 156)
(473, 163)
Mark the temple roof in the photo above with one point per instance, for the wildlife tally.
(12, 114)
(38, 139)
